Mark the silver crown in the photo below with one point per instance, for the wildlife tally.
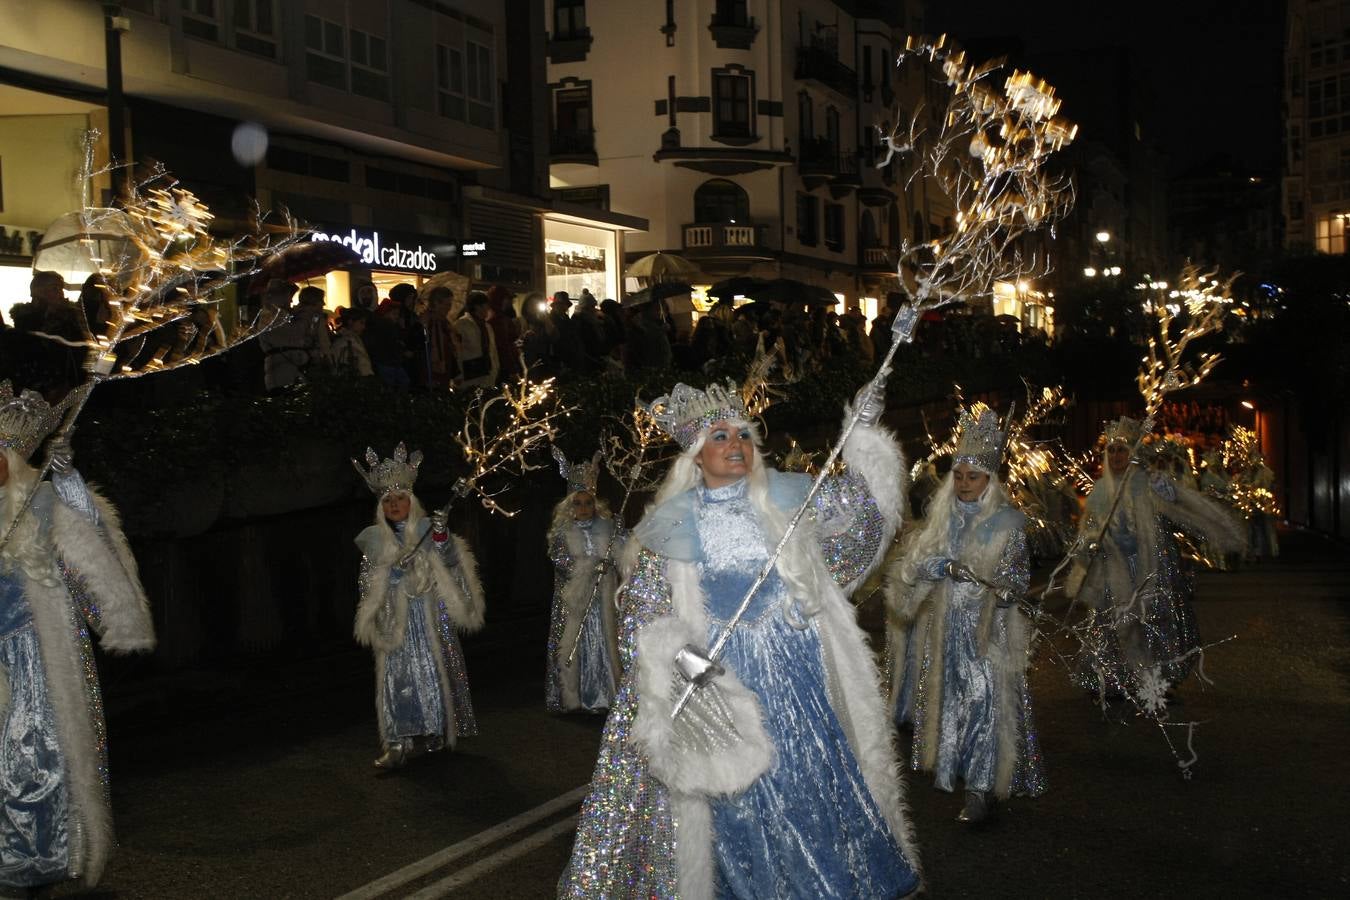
(26, 419)
(398, 473)
(981, 441)
(580, 476)
(686, 411)
(1123, 430)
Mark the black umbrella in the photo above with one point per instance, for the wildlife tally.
(791, 292)
(743, 285)
(659, 291)
(307, 259)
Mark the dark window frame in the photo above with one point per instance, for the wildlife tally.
(742, 128)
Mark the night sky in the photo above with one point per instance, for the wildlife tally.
(1214, 68)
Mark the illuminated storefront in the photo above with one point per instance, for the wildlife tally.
(391, 258)
(580, 257)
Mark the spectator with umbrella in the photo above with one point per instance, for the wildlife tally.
(647, 346)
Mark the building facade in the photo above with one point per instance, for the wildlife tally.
(385, 121)
(1316, 183)
(742, 131)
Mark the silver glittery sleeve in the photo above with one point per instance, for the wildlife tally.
(384, 619)
(560, 555)
(644, 596)
(1014, 567)
(72, 490)
(849, 526)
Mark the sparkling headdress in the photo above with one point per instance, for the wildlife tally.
(1123, 430)
(580, 476)
(685, 412)
(26, 419)
(981, 441)
(395, 474)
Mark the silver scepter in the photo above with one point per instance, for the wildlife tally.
(693, 665)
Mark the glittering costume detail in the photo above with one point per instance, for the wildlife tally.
(685, 412)
(1138, 589)
(589, 683)
(981, 441)
(961, 661)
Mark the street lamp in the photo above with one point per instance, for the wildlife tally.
(1103, 237)
(1089, 272)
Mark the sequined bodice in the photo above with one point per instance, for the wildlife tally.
(734, 550)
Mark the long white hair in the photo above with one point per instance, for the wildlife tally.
(24, 549)
(391, 543)
(562, 512)
(795, 562)
(932, 539)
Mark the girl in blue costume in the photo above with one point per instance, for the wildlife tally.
(66, 575)
(958, 644)
(418, 587)
(580, 541)
(779, 778)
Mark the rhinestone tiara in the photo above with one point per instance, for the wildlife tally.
(686, 411)
(981, 442)
(398, 473)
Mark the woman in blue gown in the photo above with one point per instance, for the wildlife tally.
(779, 777)
(66, 576)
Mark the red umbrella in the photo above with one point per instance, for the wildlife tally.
(307, 259)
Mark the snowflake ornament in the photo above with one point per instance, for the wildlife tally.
(1151, 691)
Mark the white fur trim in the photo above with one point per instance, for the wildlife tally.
(872, 452)
(102, 557)
(694, 866)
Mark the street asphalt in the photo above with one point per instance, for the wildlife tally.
(261, 786)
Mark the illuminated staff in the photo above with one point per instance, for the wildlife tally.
(987, 156)
(166, 272)
(491, 450)
(1163, 371)
(628, 462)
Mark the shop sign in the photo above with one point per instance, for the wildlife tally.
(399, 252)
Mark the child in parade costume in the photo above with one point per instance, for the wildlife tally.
(66, 575)
(581, 541)
(958, 644)
(1132, 576)
(779, 777)
(418, 587)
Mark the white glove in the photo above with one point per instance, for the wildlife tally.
(870, 401)
(61, 454)
(959, 571)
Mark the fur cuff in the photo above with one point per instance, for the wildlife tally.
(105, 563)
(872, 452)
(718, 769)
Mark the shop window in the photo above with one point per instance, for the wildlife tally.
(370, 65)
(199, 19)
(808, 220)
(733, 102)
(1331, 234)
(255, 27)
(450, 82)
(480, 85)
(325, 53)
(569, 19)
(720, 200)
(834, 226)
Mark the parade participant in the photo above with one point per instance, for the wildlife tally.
(778, 779)
(958, 642)
(1132, 576)
(66, 575)
(581, 542)
(418, 587)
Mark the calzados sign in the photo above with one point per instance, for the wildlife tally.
(379, 253)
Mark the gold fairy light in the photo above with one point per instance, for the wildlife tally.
(492, 449)
(1164, 369)
(987, 156)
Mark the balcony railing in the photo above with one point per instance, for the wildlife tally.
(818, 64)
(876, 258)
(724, 236)
(572, 143)
(821, 157)
(733, 32)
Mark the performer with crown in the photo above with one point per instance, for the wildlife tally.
(418, 587)
(66, 575)
(1132, 576)
(958, 643)
(583, 649)
(778, 778)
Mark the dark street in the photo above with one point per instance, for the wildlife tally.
(277, 798)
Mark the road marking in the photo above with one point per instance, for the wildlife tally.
(429, 864)
(497, 860)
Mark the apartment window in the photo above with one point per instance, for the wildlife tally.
(255, 27)
(1329, 106)
(808, 220)
(1331, 234)
(325, 53)
(832, 127)
(733, 103)
(834, 226)
(199, 19)
(720, 200)
(450, 82)
(573, 128)
(480, 82)
(806, 118)
(370, 65)
(731, 12)
(569, 19)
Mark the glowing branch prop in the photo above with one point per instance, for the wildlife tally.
(491, 450)
(168, 275)
(637, 463)
(987, 157)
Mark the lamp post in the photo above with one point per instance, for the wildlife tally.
(114, 25)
